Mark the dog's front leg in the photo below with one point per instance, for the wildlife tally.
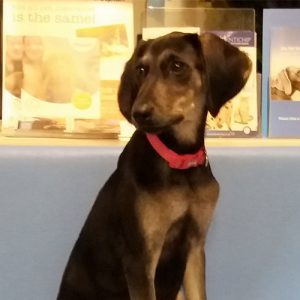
(194, 278)
(140, 282)
(180, 295)
(140, 275)
(140, 271)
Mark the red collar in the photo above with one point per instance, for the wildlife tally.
(177, 161)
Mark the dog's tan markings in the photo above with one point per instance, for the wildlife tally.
(151, 205)
(167, 212)
(184, 101)
(154, 224)
(186, 131)
(247, 74)
(190, 105)
(146, 58)
(203, 206)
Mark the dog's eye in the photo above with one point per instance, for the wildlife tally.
(141, 70)
(177, 67)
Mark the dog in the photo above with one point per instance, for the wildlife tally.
(286, 83)
(144, 237)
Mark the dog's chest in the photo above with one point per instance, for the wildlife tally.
(159, 210)
(172, 212)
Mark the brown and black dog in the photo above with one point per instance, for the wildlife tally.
(144, 237)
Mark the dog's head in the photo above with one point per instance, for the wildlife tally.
(175, 79)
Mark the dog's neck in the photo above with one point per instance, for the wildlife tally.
(185, 138)
(181, 146)
(175, 160)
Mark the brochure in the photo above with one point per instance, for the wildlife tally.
(284, 83)
(239, 117)
(284, 20)
(62, 61)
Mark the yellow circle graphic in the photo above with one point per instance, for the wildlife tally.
(82, 100)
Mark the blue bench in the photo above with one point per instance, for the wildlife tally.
(253, 247)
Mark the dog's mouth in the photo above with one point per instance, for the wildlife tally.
(158, 126)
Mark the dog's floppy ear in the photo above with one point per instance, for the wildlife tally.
(227, 70)
(129, 87)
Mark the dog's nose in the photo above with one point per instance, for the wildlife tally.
(143, 113)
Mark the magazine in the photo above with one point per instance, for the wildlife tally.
(239, 117)
(281, 20)
(62, 61)
(284, 82)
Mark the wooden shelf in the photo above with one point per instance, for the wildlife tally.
(210, 142)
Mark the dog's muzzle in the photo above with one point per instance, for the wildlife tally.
(143, 114)
(146, 118)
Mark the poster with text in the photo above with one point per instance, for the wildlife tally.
(62, 62)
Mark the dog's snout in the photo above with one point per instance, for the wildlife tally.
(143, 113)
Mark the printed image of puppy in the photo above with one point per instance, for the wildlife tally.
(242, 112)
(285, 84)
(222, 120)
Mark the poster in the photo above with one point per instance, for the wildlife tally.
(62, 61)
